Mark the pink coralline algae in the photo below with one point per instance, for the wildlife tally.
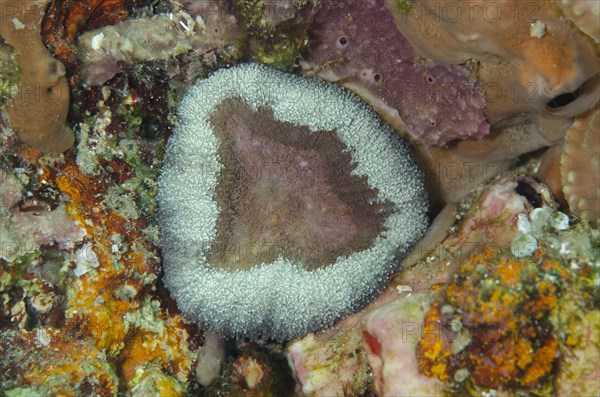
(23, 230)
(387, 331)
(357, 44)
(390, 335)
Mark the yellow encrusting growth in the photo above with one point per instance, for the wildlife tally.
(130, 326)
(502, 305)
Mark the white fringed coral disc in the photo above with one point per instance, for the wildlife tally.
(279, 299)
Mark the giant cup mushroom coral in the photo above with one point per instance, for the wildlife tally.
(284, 203)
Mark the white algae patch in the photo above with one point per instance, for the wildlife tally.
(279, 300)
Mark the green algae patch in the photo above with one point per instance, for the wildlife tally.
(279, 44)
(23, 392)
(9, 75)
(404, 5)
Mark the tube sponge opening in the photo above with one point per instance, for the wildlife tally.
(38, 112)
(284, 203)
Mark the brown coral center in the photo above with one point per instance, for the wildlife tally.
(285, 191)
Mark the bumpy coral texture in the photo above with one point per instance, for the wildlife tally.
(280, 298)
(527, 53)
(584, 14)
(492, 321)
(358, 45)
(580, 166)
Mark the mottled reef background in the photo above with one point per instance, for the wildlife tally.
(498, 99)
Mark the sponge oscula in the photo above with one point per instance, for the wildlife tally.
(284, 203)
(39, 110)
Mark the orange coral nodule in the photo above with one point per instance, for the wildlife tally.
(524, 359)
(168, 349)
(509, 271)
(549, 265)
(63, 365)
(86, 197)
(86, 205)
(543, 360)
(504, 307)
(547, 299)
(433, 349)
(138, 350)
(81, 190)
(494, 366)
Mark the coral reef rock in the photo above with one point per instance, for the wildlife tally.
(108, 50)
(531, 59)
(357, 45)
